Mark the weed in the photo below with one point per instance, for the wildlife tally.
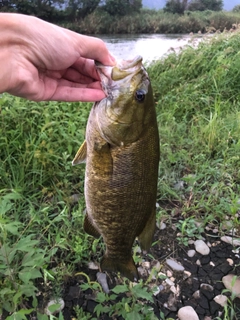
(134, 304)
(189, 229)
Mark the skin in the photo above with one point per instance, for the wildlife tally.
(41, 61)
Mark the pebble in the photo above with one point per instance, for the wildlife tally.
(188, 313)
(102, 279)
(93, 266)
(191, 253)
(196, 294)
(232, 241)
(230, 261)
(146, 264)
(232, 283)
(206, 286)
(175, 290)
(163, 226)
(198, 262)
(174, 265)
(158, 290)
(186, 274)
(221, 299)
(169, 282)
(59, 305)
(201, 247)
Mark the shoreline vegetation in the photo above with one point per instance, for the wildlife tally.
(153, 21)
(43, 244)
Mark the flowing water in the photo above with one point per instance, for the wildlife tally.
(149, 46)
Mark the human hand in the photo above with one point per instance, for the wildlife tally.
(41, 61)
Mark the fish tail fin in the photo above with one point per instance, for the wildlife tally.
(126, 268)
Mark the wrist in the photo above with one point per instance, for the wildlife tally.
(11, 47)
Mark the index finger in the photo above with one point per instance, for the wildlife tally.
(96, 49)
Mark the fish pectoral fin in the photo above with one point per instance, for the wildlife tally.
(90, 228)
(126, 268)
(146, 236)
(81, 155)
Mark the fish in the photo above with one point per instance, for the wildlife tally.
(121, 152)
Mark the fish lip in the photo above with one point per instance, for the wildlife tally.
(106, 73)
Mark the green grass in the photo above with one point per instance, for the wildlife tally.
(42, 241)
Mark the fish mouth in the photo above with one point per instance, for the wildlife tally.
(111, 76)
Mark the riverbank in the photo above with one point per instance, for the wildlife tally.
(151, 21)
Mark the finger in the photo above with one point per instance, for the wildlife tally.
(71, 94)
(74, 75)
(86, 67)
(95, 49)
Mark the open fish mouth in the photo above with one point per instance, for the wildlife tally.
(111, 76)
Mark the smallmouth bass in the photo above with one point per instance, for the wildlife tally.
(121, 152)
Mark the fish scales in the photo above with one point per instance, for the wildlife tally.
(121, 175)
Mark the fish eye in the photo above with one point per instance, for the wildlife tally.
(140, 95)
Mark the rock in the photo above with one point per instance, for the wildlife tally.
(201, 247)
(191, 253)
(206, 286)
(198, 262)
(175, 290)
(169, 282)
(232, 283)
(54, 306)
(146, 264)
(158, 290)
(162, 226)
(93, 266)
(186, 274)
(230, 261)
(102, 279)
(187, 313)
(221, 299)
(234, 242)
(174, 265)
(196, 294)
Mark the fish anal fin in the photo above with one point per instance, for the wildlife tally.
(127, 268)
(90, 228)
(81, 155)
(146, 236)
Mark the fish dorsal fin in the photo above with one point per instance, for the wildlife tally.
(81, 155)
